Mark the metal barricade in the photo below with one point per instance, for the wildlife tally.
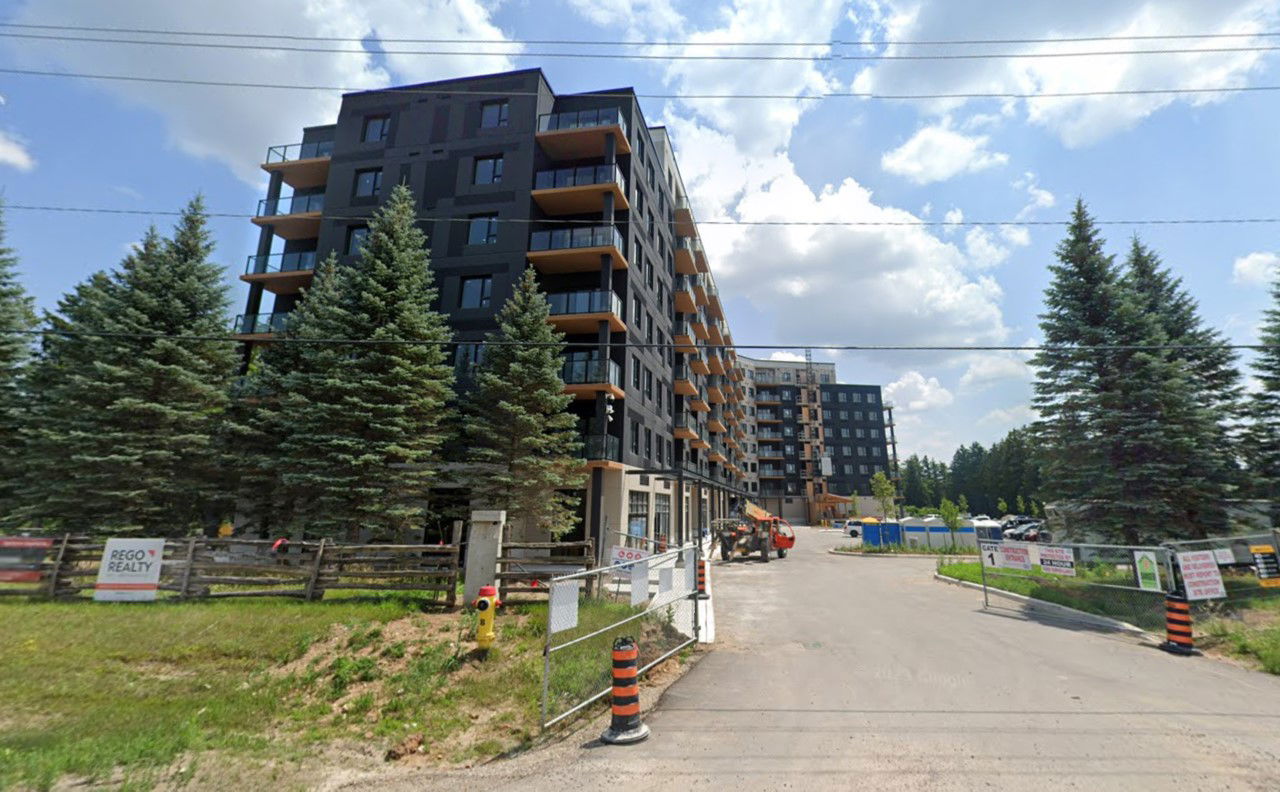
(650, 600)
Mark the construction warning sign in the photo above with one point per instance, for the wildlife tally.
(1200, 575)
(1058, 561)
(1267, 564)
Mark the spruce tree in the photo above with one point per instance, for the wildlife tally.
(523, 441)
(128, 416)
(17, 318)
(1078, 305)
(1262, 438)
(362, 421)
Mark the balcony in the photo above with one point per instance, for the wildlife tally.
(296, 217)
(301, 165)
(602, 451)
(715, 422)
(682, 292)
(716, 329)
(771, 472)
(769, 436)
(576, 249)
(585, 378)
(768, 397)
(698, 323)
(567, 191)
(686, 255)
(684, 339)
(281, 273)
(683, 380)
(580, 312)
(700, 291)
(714, 393)
(698, 401)
(581, 134)
(717, 453)
(698, 365)
(686, 427)
(715, 362)
(259, 326)
(684, 219)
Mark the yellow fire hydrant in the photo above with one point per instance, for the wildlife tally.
(486, 604)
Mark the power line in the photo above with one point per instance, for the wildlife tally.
(814, 223)
(651, 43)
(629, 95)
(654, 345)
(831, 57)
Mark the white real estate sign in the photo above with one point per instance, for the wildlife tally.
(129, 571)
(1200, 575)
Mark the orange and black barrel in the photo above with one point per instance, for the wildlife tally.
(702, 580)
(1177, 625)
(625, 726)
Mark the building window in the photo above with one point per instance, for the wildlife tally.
(368, 183)
(648, 385)
(862, 469)
(635, 372)
(862, 451)
(488, 170)
(871, 398)
(826, 415)
(875, 451)
(786, 376)
(648, 443)
(476, 292)
(824, 379)
(638, 514)
(844, 433)
(875, 433)
(648, 317)
(661, 510)
(660, 457)
(356, 236)
(483, 230)
(635, 437)
(791, 468)
(826, 396)
(844, 415)
(859, 433)
(842, 397)
(789, 450)
(466, 358)
(376, 129)
(856, 398)
(848, 470)
(857, 415)
(636, 311)
(495, 114)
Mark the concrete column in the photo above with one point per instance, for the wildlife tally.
(484, 543)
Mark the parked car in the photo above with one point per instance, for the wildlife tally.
(853, 529)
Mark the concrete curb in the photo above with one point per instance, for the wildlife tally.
(904, 555)
(1053, 607)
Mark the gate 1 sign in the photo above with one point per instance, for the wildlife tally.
(1058, 561)
(21, 558)
(1200, 575)
(130, 570)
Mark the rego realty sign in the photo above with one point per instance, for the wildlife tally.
(130, 570)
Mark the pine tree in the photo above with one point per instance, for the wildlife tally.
(362, 422)
(1262, 439)
(1212, 378)
(524, 442)
(17, 315)
(126, 428)
(1078, 305)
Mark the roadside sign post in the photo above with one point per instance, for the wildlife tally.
(986, 550)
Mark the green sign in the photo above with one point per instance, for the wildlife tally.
(1147, 570)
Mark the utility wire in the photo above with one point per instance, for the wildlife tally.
(815, 223)
(654, 345)
(831, 57)
(411, 91)
(650, 43)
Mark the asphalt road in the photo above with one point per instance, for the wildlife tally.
(865, 673)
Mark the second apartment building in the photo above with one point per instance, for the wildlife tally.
(508, 175)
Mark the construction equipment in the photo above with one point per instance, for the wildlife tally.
(752, 531)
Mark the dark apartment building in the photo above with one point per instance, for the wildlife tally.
(857, 437)
(509, 175)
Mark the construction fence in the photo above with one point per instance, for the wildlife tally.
(67, 567)
(651, 600)
(1219, 577)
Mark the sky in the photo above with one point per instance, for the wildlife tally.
(80, 142)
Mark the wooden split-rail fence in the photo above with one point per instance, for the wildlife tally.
(527, 567)
(202, 567)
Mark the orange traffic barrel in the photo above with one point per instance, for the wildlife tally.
(702, 580)
(1177, 626)
(624, 725)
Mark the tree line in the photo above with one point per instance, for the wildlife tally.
(132, 413)
(1145, 429)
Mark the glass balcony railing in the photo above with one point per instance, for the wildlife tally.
(295, 204)
(591, 372)
(281, 262)
(681, 327)
(687, 282)
(601, 447)
(681, 371)
(776, 472)
(767, 415)
(297, 151)
(578, 177)
(769, 435)
(584, 302)
(584, 237)
(260, 323)
(605, 116)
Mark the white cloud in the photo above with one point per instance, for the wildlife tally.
(236, 125)
(937, 153)
(1008, 417)
(983, 250)
(992, 367)
(656, 14)
(914, 392)
(953, 217)
(14, 153)
(1256, 269)
(788, 357)
(1038, 198)
(1079, 120)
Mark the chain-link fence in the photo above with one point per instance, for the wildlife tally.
(650, 599)
(1247, 567)
(1123, 582)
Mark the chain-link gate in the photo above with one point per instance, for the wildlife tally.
(1123, 582)
(1247, 567)
(650, 600)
